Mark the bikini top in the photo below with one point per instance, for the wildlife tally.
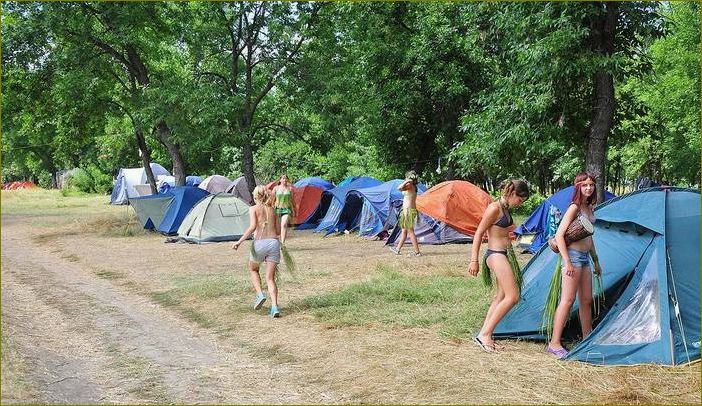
(506, 220)
(283, 198)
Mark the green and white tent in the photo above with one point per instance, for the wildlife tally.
(219, 217)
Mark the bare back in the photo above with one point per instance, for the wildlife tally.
(267, 225)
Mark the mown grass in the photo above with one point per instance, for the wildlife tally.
(188, 292)
(455, 305)
(15, 384)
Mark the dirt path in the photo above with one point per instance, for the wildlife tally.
(88, 341)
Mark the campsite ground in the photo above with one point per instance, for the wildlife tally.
(96, 311)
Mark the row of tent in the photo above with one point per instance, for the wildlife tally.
(648, 244)
(132, 182)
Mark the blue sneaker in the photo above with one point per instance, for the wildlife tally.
(274, 312)
(260, 298)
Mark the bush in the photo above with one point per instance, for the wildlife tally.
(90, 180)
(45, 180)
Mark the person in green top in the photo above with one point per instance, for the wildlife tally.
(283, 204)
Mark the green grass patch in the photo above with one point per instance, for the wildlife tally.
(455, 305)
(106, 274)
(15, 384)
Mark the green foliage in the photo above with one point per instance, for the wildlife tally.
(90, 180)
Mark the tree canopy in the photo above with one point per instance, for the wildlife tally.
(475, 91)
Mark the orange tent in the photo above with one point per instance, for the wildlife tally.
(457, 203)
(306, 199)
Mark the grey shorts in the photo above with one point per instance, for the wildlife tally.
(266, 250)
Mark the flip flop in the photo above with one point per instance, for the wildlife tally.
(484, 347)
(560, 353)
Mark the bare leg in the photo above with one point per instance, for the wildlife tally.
(413, 238)
(585, 301)
(255, 277)
(270, 280)
(284, 227)
(569, 287)
(509, 297)
(403, 237)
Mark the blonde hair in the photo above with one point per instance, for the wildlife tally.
(262, 197)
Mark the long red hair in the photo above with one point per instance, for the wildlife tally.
(578, 197)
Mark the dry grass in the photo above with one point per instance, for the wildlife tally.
(361, 354)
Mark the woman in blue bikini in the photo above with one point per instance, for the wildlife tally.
(499, 257)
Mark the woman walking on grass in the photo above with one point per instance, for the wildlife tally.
(264, 248)
(408, 215)
(499, 257)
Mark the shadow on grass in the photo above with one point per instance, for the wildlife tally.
(454, 305)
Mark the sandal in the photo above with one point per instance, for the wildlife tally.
(484, 347)
(560, 353)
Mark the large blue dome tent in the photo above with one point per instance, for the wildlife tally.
(648, 243)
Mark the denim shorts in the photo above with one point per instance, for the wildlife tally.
(579, 259)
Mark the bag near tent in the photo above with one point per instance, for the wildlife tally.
(648, 244)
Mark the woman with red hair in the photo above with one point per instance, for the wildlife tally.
(576, 280)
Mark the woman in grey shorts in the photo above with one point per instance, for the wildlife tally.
(265, 227)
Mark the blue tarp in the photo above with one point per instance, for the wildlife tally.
(378, 203)
(172, 208)
(544, 220)
(648, 243)
(314, 181)
(332, 202)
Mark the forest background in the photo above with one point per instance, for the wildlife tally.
(474, 91)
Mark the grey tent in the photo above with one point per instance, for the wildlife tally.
(239, 188)
(220, 217)
(215, 184)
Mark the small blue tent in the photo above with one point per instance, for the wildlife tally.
(314, 181)
(165, 211)
(648, 243)
(431, 231)
(379, 210)
(543, 222)
(347, 181)
(332, 202)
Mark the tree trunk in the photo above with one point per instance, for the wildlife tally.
(146, 159)
(248, 164)
(164, 135)
(603, 109)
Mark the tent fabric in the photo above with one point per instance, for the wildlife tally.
(457, 203)
(215, 184)
(305, 201)
(239, 188)
(431, 232)
(151, 209)
(337, 199)
(185, 197)
(650, 261)
(543, 221)
(164, 212)
(347, 181)
(217, 217)
(128, 177)
(314, 181)
(168, 182)
(378, 202)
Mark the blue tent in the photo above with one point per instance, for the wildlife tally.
(314, 181)
(165, 211)
(379, 210)
(431, 231)
(347, 181)
(543, 222)
(332, 202)
(169, 184)
(648, 243)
